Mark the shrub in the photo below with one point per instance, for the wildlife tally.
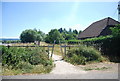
(10, 57)
(83, 54)
(25, 59)
(107, 45)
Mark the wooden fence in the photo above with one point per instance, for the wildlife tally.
(62, 47)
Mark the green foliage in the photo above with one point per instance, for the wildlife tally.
(30, 35)
(25, 60)
(116, 31)
(68, 35)
(83, 55)
(40, 35)
(25, 66)
(54, 35)
(75, 31)
(17, 58)
(108, 45)
(74, 41)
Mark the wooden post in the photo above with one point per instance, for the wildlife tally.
(48, 51)
(38, 43)
(65, 51)
(53, 48)
(61, 50)
(69, 47)
(8, 46)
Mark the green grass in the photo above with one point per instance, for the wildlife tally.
(36, 69)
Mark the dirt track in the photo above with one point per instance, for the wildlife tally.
(62, 67)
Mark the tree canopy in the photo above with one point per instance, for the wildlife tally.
(54, 35)
(30, 35)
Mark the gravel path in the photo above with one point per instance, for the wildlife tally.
(62, 67)
(64, 70)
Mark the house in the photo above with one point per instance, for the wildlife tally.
(98, 28)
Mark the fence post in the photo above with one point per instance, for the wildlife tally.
(8, 46)
(61, 49)
(53, 48)
(48, 51)
(65, 51)
(69, 47)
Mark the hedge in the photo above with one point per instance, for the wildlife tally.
(107, 45)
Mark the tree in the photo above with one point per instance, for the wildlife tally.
(116, 31)
(28, 36)
(60, 30)
(75, 31)
(69, 37)
(80, 31)
(70, 30)
(42, 35)
(54, 35)
(38, 38)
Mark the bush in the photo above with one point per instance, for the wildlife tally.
(83, 55)
(25, 67)
(107, 45)
(11, 57)
(25, 58)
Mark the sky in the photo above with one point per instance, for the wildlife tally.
(19, 16)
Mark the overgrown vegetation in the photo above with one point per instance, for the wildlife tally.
(25, 60)
(107, 45)
(83, 55)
